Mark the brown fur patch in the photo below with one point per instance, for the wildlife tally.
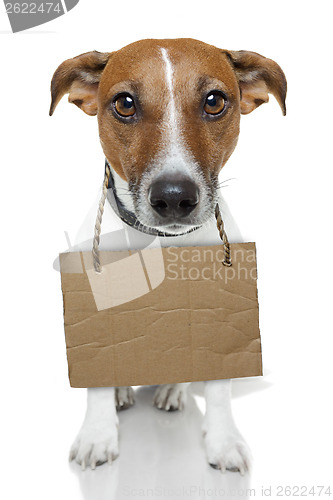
(198, 68)
(94, 79)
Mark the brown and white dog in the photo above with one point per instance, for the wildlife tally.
(168, 114)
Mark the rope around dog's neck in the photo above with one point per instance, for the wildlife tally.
(223, 235)
(98, 224)
(97, 232)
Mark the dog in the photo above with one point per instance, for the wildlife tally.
(168, 114)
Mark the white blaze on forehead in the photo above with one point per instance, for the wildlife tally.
(176, 155)
(172, 155)
(168, 70)
(172, 120)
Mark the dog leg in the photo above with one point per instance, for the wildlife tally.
(124, 397)
(170, 397)
(225, 446)
(97, 441)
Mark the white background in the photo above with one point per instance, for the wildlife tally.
(51, 170)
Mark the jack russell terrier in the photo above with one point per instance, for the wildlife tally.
(168, 114)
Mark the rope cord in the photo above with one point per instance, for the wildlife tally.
(223, 235)
(97, 233)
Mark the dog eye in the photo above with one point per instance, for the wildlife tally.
(214, 103)
(124, 105)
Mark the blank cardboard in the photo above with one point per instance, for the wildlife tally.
(162, 315)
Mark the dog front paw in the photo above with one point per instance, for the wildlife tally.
(124, 397)
(227, 451)
(170, 397)
(95, 444)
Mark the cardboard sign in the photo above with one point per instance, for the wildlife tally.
(161, 315)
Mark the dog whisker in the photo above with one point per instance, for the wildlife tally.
(223, 184)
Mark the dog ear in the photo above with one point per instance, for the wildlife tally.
(257, 77)
(79, 77)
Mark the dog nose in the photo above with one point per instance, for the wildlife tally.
(176, 197)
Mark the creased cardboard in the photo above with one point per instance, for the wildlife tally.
(161, 316)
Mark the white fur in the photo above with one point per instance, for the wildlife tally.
(122, 191)
(169, 83)
(97, 441)
(225, 446)
(124, 397)
(171, 396)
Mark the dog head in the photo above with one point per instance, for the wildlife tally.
(168, 114)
